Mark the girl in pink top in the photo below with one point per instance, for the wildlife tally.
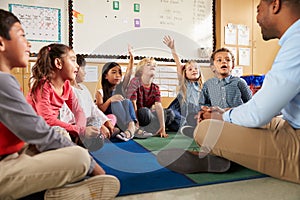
(55, 67)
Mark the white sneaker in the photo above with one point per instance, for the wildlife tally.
(94, 188)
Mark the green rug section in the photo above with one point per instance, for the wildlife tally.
(240, 173)
(176, 140)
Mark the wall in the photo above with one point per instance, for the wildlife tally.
(244, 12)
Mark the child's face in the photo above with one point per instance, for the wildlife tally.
(192, 72)
(81, 74)
(114, 75)
(17, 48)
(223, 64)
(149, 69)
(70, 67)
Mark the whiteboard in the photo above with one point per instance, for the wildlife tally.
(56, 9)
(106, 27)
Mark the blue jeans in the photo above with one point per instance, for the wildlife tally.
(124, 112)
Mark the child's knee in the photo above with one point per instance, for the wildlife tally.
(144, 116)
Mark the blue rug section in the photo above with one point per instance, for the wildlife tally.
(137, 169)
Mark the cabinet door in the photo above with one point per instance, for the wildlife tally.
(26, 76)
(22, 75)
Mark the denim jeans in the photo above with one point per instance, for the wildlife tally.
(124, 112)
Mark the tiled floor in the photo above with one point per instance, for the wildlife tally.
(257, 189)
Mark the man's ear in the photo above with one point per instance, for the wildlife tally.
(2, 44)
(276, 5)
(58, 63)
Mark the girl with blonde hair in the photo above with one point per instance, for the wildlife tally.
(190, 85)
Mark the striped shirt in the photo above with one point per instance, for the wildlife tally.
(225, 93)
(144, 96)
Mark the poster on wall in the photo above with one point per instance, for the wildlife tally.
(40, 23)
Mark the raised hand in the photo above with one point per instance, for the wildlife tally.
(169, 41)
(130, 50)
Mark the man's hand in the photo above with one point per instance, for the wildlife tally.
(210, 113)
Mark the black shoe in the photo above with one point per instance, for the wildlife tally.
(186, 162)
(187, 131)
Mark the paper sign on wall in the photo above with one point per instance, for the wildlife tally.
(230, 34)
(91, 74)
(244, 56)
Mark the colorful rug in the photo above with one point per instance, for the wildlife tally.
(135, 164)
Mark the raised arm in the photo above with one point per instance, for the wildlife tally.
(129, 69)
(169, 41)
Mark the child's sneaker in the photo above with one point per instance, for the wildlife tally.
(93, 143)
(94, 188)
(141, 134)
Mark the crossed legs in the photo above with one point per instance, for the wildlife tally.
(273, 149)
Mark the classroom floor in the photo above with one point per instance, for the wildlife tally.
(258, 189)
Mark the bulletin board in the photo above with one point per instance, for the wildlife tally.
(41, 23)
(44, 21)
(103, 29)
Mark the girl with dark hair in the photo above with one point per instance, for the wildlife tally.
(55, 67)
(110, 99)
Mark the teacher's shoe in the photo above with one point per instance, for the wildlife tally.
(187, 131)
(102, 187)
(186, 162)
